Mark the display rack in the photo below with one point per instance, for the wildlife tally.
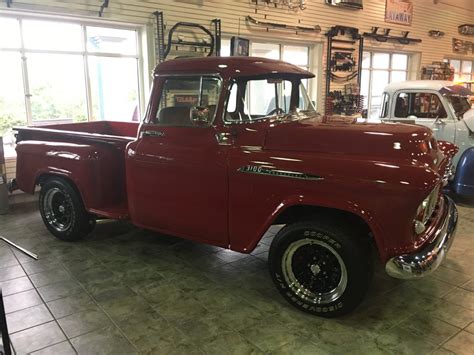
(343, 71)
(437, 71)
(210, 43)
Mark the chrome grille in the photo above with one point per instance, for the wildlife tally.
(448, 172)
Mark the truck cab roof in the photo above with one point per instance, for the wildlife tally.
(442, 86)
(231, 67)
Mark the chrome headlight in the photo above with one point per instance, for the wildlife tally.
(425, 210)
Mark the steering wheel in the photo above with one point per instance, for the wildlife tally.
(276, 111)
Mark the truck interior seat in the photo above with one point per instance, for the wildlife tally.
(175, 116)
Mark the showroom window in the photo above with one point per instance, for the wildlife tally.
(58, 72)
(379, 69)
(463, 69)
(297, 55)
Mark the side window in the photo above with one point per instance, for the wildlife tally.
(427, 105)
(401, 106)
(384, 109)
(181, 94)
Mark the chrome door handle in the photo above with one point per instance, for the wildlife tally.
(153, 134)
(223, 138)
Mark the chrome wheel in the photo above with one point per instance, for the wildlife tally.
(314, 271)
(58, 210)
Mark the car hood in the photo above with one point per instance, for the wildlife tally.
(375, 141)
(468, 118)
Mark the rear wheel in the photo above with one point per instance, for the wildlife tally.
(321, 268)
(63, 212)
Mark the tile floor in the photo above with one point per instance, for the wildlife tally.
(126, 290)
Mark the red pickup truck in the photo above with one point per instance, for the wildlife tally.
(229, 147)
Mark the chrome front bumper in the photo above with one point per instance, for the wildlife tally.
(426, 260)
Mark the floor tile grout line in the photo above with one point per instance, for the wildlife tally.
(451, 337)
(47, 307)
(99, 306)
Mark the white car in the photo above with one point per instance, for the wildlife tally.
(443, 107)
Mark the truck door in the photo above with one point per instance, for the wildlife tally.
(426, 108)
(177, 171)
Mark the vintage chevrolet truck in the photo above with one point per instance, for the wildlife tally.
(229, 147)
(445, 108)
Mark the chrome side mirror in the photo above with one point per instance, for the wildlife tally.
(412, 117)
(439, 121)
(199, 115)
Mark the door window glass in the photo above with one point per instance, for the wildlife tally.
(180, 95)
(420, 105)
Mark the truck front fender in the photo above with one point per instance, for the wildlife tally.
(463, 182)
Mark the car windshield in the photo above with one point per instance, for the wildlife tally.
(255, 99)
(460, 104)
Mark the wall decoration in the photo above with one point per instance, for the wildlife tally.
(239, 47)
(399, 11)
(290, 4)
(103, 7)
(343, 67)
(466, 29)
(437, 71)
(209, 43)
(385, 36)
(282, 26)
(462, 47)
(435, 33)
(348, 4)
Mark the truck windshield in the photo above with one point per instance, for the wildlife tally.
(256, 99)
(460, 104)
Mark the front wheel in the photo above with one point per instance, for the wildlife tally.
(63, 212)
(321, 268)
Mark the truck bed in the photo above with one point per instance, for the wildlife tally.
(91, 155)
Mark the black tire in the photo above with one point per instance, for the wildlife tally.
(63, 212)
(330, 266)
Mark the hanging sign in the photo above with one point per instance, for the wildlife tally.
(399, 11)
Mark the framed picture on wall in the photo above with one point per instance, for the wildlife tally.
(399, 11)
(239, 47)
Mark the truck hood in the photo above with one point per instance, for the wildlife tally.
(375, 141)
(468, 118)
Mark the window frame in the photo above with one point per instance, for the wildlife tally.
(460, 73)
(449, 115)
(152, 119)
(139, 30)
(370, 69)
(295, 96)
